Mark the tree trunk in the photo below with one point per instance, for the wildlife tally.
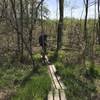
(17, 27)
(93, 40)
(60, 25)
(30, 33)
(18, 44)
(99, 22)
(21, 28)
(27, 12)
(85, 33)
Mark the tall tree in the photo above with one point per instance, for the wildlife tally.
(93, 38)
(60, 24)
(19, 24)
(99, 22)
(85, 32)
(14, 14)
(21, 28)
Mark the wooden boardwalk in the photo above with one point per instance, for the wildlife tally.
(57, 93)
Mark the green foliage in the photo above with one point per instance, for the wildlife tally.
(97, 68)
(69, 57)
(9, 75)
(59, 67)
(77, 86)
(37, 57)
(92, 73)
(97, 49)
(36, 88)
(52, 56)
(61, 54)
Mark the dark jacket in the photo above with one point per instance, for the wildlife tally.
(43, 40)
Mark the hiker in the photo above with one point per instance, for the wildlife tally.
(43, 43)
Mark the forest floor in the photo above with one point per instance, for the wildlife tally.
(36, 85)
(81, 84)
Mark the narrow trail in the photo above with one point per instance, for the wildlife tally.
(57, 92)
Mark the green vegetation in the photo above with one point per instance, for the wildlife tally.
(37, 87)
(80, 82)
(78, 85)
(73, 45)
(25, 84)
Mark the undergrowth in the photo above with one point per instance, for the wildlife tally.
(36, 88)
(26, 84)
(78, 86)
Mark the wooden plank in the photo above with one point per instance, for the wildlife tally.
(61, 83)
(50, 96)
(54, 78)
(53, 84)
(59, 93)
(46, 58)
(56, 95)
(62, 95)
(53, 67)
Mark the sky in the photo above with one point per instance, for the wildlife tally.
(76, 12)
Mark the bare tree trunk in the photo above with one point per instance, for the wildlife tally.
(93, 40)
(27, 12)
(21, 28)
(18, 44)
(85, 33)
(99, 22)
(16, 24)
(30, 33)
(60, 25)
(36, 13)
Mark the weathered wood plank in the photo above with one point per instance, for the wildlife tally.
(53, 67)
(58, 85)
(53, 84)
(46, 58)
(50, 95)
(61, 83)
(54, 78)
(62, 95)
(56, 95)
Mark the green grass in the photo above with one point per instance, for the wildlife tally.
(36, 88)
(80, 82)
(97, 67)
(8, 75)
(98, 49)
(78, 86)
